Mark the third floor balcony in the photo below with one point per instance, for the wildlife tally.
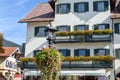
(84, 36)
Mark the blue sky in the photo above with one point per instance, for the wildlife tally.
(11, 11)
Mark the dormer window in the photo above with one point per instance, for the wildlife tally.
(63, 8)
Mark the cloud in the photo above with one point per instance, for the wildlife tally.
(22, 2)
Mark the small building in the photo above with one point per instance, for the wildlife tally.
(8, 62)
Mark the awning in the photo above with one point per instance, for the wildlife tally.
(100, 72)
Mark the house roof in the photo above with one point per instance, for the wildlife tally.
(8, 51)
(42, 12)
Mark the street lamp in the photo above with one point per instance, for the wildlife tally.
(50, 31)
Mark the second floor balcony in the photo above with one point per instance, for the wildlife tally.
(79, 62)
(84, 36)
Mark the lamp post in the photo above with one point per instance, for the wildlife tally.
(50, 31)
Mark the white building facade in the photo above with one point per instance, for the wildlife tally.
(70, 16)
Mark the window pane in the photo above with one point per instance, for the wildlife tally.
(81, 27)
(101, 27)
(64, 52)
(81, 7)
(63, 8)
(81, 52)
(101, 6)
(42, 32)
(62, 28)
(101, 52)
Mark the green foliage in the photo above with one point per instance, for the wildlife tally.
(1, 40)
(49, 62)
(86, 32)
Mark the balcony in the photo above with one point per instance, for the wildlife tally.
(84, 36)
(77, 62)
(80, 64)
(90, 64)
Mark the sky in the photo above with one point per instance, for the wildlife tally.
(11, 11)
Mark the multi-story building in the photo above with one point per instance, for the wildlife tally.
(98, 17)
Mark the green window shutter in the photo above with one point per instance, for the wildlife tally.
(96, 27)
(68, 8)
(75, 28)
(57, 27)
(87, 27)
(36, 31)
(57, 8)
(67, 52)
(87, 52)
(117, 53)
(95, 52)
(107, 26)
(35, 52)
(76, 52)
(116, 27)
(75, 7)
(86, 6)
(107, 52)
(95, 6)
(68, 28)
(106, 5)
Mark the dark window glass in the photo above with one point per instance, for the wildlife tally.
(63, 28)
(117, 53)
(100, 5)
(117, 28)
(101, 26)
(63, 8)
(81, 52)
(65, 52)
(101, 52)
(81, 27)
(40, 31)
(35, 52)
(81, 7)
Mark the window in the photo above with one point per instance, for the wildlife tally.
(101, 52)
(117, 53)
(63, 8)
(65, 52)
(117, 28)
(100, 6)
(81, 27)
(101, 26)
(81, 52)
(35, 52)
(81, 7)
(40, 31)
(63, 28)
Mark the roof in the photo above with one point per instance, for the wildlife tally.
(42, 12)
(8, 51)
(115, 15)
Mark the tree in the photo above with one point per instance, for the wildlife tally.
(1, 40)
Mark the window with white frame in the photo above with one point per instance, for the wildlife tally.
(81, 52)
(117, 28)
(100, 5)
(63, 8)
(63, 28)
(40, 31)
(101, 52)
(81, 7)
(81, 27)
(65, 52)
(101, 26)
